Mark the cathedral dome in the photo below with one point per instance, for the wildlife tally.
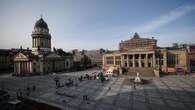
(41, 24)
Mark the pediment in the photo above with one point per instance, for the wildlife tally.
(21, 56)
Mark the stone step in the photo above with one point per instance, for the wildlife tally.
(149, 72)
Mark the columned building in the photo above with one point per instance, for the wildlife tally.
(40, 60)
(144, 56)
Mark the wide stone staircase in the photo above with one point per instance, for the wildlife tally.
(147, 72)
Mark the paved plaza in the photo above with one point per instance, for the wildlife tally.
(166, 93)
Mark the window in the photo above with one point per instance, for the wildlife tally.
(136, 56)
(131, 64)
(125, 56)
(136, 64)
(34, 70)
(117, 60)
(173, 59)
(149, 64)
(130, 56)
(143, 64)
(142, 56)
(110, 60)
(67, 64)
(125, 64)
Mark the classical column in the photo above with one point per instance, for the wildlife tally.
(165, 59)
(140, 64)
(114, 60)
(127, 60)
(146, 60)
(27, 63)
(19, 67)
(37, 42)
(24, 68)
(23, 64)
(34, 42)
(30, 64)
(14, 67)
(122, 59)
(133, 60)
(154, 60)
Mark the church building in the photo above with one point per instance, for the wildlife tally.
(40, 60)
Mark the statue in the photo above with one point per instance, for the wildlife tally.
(137, 78)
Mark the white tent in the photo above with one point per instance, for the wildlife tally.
(109, 71)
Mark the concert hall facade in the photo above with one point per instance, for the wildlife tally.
(144, 56)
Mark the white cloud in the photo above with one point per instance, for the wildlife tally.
(165, 19)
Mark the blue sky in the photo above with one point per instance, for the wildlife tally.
(94, 24)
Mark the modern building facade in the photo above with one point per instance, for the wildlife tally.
(144, 56)
(39, 60)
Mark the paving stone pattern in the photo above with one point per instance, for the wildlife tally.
(166, 93)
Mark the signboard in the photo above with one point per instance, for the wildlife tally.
(171, 70)
(179, 69)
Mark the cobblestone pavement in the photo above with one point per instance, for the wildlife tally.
(166, 93)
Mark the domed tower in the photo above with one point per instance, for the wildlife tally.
(41, 38)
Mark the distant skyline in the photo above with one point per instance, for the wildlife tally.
(94, 24)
